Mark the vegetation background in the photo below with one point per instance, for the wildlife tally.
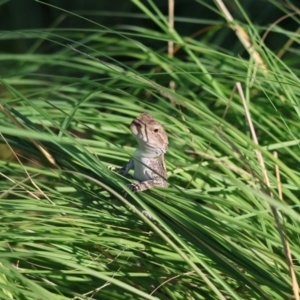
(224, 81)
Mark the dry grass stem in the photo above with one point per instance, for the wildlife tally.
(242, 35)
(48, 156)
(287, 249)
(267, 182)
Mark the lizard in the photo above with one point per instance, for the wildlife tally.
(148, 160)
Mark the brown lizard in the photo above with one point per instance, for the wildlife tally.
(148, 159)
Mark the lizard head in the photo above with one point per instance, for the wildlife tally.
(149, 134)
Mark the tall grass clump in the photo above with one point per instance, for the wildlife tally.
(227, 227)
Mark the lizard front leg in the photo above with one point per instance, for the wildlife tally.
(124, 170)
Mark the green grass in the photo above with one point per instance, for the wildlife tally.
(68, 229)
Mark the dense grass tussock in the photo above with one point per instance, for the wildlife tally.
(228, 225)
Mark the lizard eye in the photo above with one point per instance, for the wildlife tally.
(155, 130)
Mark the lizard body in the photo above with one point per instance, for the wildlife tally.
(148, 160)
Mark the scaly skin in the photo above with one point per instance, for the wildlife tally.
(148, 160)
